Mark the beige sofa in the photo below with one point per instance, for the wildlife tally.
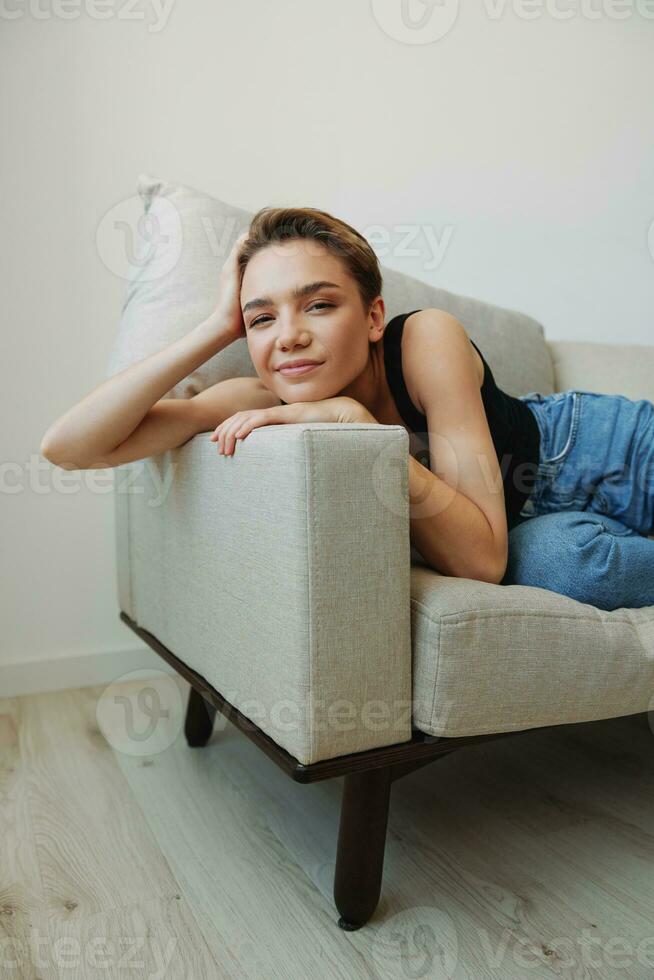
(282, 584)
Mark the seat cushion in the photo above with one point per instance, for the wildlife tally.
(500, 658)
(180, 245)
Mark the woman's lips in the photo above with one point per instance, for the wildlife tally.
(303, 369)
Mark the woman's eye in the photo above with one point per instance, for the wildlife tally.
(259, 319)
(318, 303)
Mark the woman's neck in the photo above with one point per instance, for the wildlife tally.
(370, 388)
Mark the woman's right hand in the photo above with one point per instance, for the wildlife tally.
(228, 308)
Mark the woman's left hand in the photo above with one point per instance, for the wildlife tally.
(339, 409)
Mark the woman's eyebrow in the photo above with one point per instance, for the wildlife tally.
(298, 293)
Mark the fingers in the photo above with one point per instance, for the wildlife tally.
(233, 428)
(239, 242)
(226, 436)
(239, 425)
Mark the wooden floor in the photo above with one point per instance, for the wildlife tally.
(528, 857)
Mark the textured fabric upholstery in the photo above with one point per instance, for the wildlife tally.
(281, 575)
(492, 658)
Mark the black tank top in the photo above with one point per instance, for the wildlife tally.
(513, 427)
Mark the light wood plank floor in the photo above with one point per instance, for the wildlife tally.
(123, 857)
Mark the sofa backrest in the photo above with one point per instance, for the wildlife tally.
(513, 343)
(173, 285)
(610, 369)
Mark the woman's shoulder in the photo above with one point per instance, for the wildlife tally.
(431, 318)
(422, 330)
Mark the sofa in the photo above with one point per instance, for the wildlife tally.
(282, 585)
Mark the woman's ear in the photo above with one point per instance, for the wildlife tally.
(377, 316)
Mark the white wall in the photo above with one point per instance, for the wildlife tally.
(523, 144)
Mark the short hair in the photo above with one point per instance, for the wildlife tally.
(270, 225)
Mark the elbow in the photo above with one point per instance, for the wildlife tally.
(497, 570)
(48, 450)
(60, 462)
(496, 563)
(57, 455)
(491, 574)
(492, 570)
(496, 575)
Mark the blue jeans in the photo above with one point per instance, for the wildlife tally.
(582, 531)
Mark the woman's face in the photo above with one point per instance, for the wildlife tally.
(289, 316)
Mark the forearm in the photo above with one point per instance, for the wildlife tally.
(108, 415)
(448, 529)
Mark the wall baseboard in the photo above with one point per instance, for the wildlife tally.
(86, 670)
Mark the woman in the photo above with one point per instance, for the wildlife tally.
(499, 488)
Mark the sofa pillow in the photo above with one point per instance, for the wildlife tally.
(182, 240)
(186, 235)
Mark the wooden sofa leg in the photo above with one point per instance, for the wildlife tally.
(200, 716)
(361, 843)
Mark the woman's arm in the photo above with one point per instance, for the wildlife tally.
(88, 433)
(458, 510)
(173, 421)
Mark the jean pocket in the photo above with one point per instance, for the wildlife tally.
(558, 415)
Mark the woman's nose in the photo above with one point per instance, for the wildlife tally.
(291, 332)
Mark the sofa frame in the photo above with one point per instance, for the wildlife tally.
(368, 777)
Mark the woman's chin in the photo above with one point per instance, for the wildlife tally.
(300, 393)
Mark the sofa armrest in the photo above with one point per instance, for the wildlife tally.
(281, 574)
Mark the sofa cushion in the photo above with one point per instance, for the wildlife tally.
(173, 286)
(490, 658)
